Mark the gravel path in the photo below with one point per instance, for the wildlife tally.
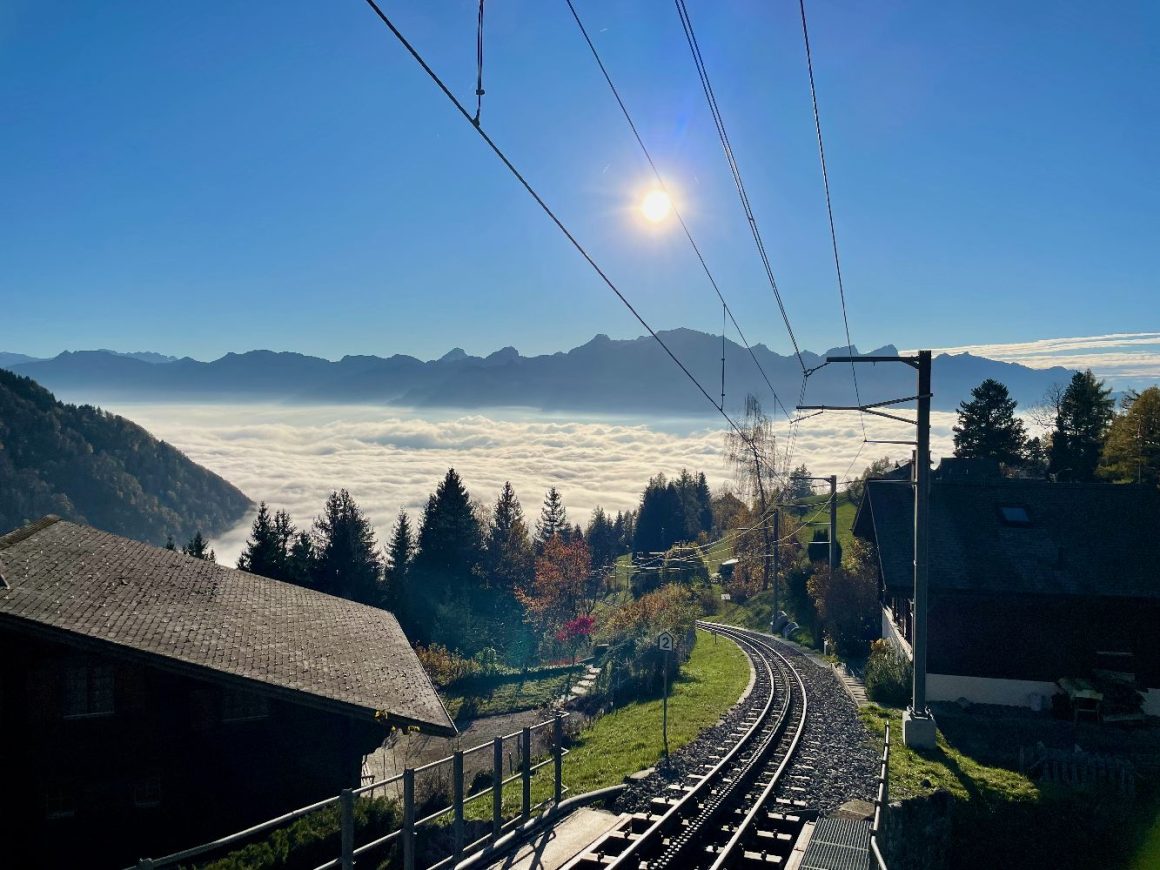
(842, 766)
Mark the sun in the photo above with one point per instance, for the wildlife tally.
(656, 206)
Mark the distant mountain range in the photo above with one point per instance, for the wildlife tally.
(94, 467)
(602, 376)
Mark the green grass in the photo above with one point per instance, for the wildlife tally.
(490, 696)
(755, 614)
(717, 553)
(1004, 819)
(1148, 855)
(846, 512)
(946, 766)
(629, 739)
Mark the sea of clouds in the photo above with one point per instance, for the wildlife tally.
(292, 457)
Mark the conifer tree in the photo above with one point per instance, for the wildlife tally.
(345, 561)
(399, 555)
(1082, 419)
(198, 547)
(450, 546)
(988, 427)
(510, 562)
(553, 517)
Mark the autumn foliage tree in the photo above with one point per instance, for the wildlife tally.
(847, 601)
(563, 587)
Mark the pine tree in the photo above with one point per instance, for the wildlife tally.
(400, 552)
(988, 427)
(602, 539)
(198, 547)
(345, 561)
(1085, 411)
(300, 560)
(553, 517)
(264, 553)
(510, 561)
(450, 545)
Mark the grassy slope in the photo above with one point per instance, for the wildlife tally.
(1148, 856)
(946, 767)
(818, 505)
(495, 695)
(1004, 818)
(629, 739)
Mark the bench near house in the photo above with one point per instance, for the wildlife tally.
(1030, 582)
(149, 700)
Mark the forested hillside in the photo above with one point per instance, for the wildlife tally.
(88, 465)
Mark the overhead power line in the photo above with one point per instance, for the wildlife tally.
(829, 205)
(715, 110)
(676, 210)
(544, 206)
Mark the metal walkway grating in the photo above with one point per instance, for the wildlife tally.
(838, 844)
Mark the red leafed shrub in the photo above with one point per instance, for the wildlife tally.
(574, 629)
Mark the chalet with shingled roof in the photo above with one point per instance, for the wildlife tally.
(1030, 582)
(149, 699)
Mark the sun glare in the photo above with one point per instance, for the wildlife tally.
(656, 206)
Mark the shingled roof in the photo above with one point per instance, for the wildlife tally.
(76, 583)
(1082, 539)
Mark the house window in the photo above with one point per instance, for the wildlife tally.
(239, 706)
(147, 793)
(88, 691)
(1014, 515)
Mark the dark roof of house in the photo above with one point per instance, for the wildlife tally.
(80, 584)
(1080, 539)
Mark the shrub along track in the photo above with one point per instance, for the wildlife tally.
(736, 803)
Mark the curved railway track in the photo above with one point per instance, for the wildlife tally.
(737, 810)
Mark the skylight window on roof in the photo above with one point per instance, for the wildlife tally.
(1014, 515)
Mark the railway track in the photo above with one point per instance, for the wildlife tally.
(737, 809)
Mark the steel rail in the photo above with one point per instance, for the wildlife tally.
(681, 808)
(747, 826)
(690, 819)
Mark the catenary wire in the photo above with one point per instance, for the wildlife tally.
(727, 147)
(676, 211)
(545, 207)
(830, 207)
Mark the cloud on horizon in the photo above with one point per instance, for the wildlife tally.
(1127, 359)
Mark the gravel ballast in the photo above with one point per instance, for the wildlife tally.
(837, 761)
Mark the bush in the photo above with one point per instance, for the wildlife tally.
(445, 666)
(889, 674)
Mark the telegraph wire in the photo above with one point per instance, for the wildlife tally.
(544, 206)
(829, 206)
(676, 211)
(715, 110)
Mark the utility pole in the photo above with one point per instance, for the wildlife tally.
(918, 726)
(833, 526)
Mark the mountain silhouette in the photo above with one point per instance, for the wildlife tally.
(604, 375)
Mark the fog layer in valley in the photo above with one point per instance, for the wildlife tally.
(292, 457)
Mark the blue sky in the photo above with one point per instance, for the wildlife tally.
(212, 177)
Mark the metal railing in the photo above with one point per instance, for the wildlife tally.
(881, 804)
(407, 831)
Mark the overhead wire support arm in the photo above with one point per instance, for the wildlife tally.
(918, 728)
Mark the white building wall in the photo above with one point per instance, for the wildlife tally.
(1035, 694)
(891, 633)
